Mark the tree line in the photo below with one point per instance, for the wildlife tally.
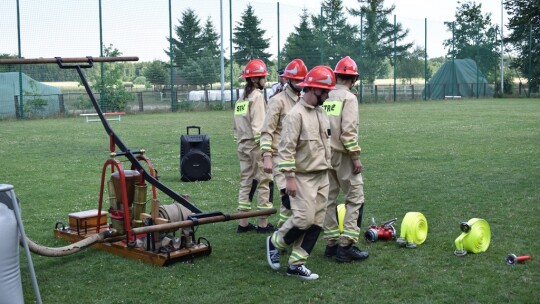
(366, 33)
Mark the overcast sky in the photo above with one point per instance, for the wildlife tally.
(70, 28)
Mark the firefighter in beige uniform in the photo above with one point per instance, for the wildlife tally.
(249, 114)
(278, 106)
(342, 109)
(304, 153)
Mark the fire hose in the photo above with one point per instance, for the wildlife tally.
(66, 250)
(414, 229)
(475, 237)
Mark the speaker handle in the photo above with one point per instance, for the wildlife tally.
(193, 127)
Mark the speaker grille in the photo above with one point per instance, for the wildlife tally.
(195, 166)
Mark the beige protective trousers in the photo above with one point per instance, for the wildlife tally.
(342, 178)
(279, 180)
(308, 208)
(251, 170)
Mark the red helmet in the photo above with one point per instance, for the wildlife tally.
(346, 66)
(321, 77)
(296, 69)
(254, 68)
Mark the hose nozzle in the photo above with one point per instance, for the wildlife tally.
(512, 259)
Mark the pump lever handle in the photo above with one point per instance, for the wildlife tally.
(389, 223)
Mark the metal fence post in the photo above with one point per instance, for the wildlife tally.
(140, 99)
(21, 108)
(61, 104)
(231, 52)
(395, 62)
(16, 99)
(425, 58)
(171, 55)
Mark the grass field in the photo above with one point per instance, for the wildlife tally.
(452, 161)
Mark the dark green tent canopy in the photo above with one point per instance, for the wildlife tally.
(458, 78)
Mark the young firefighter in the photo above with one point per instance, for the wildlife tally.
(249, 114)
(304, 153)
(345, 174)
(278, 106)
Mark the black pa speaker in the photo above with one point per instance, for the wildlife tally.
(194, 156)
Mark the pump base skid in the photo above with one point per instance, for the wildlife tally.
(122, 249)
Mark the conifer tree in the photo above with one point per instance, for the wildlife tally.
(208, 60)
(188, 44)
(209, 39)
(249, 40)
(302, 43)
(196, 50)
(378, 37)
(338, 36)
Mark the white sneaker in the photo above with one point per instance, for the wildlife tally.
(272, 254)
(301, 271)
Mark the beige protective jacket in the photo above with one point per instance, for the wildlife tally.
(249, 117)
(278, 107)
(342, 110)
(305, 146)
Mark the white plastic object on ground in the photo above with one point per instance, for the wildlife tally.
(10, 274)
